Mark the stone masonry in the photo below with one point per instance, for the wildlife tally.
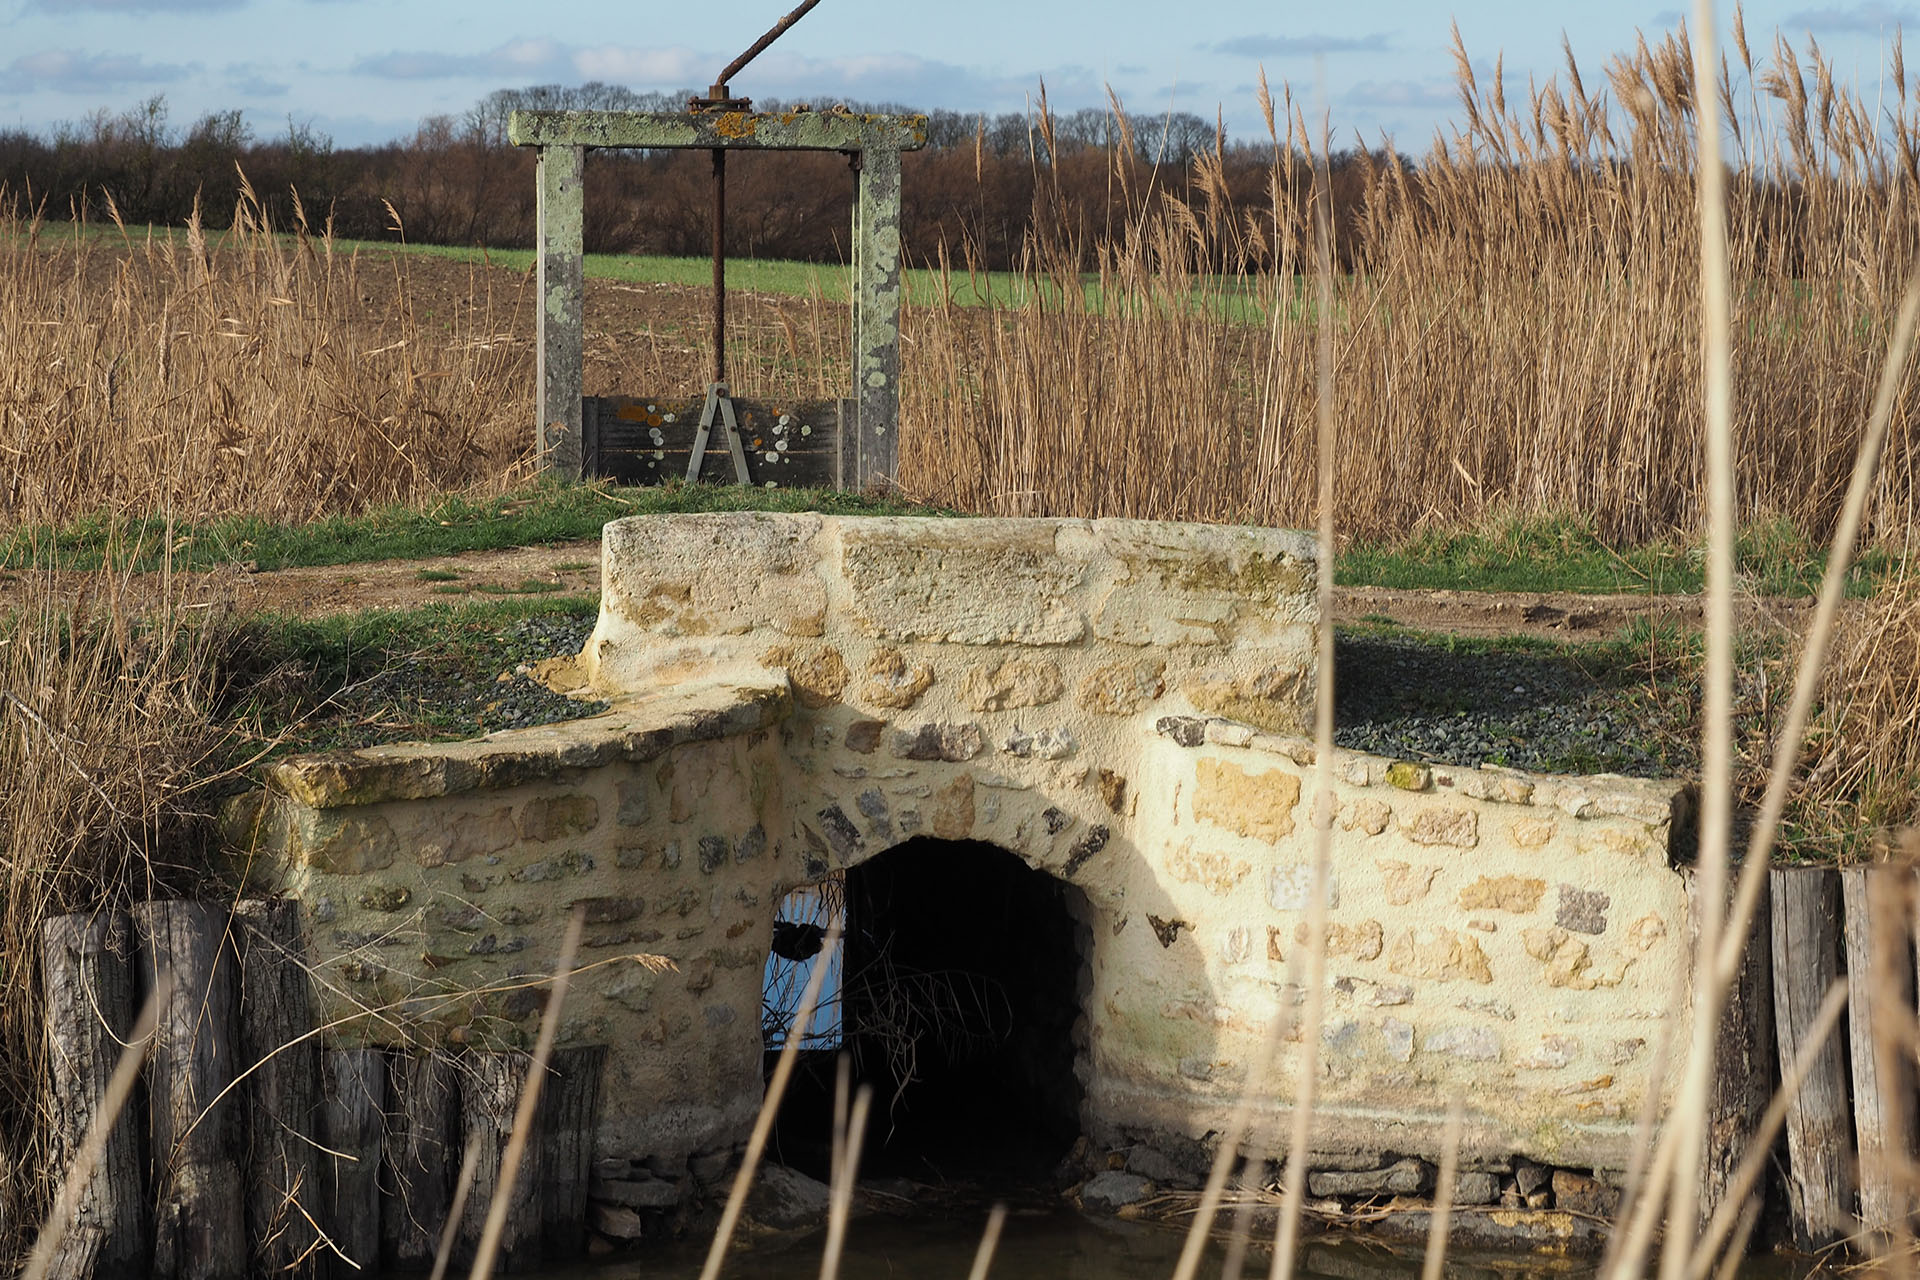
(1119, 703)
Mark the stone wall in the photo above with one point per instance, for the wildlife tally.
(1116, 702)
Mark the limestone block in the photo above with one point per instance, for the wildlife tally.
(1278, 696)
(1475, 1044)
(1290, 886)
(1122, 688)
(971, 582)
(556, 817)
(894, 682)
(1582, 910)
(1441, 954)
(1551, 1053)
(819, 674)
(1403, 883)
(953, 743)
(1257, 805)
(1518, 894)
(345, 845)
(1568, 962)
(1455, 826)
(1362, 941)
(1216, 872)
(1368, 815)
(714, 573)
(952, 816)
(1012, 682)
(1186, 584)
(1530, 833)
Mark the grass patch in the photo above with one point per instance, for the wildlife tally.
(539, 514)
(1562, 553)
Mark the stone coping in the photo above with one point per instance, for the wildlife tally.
(636, 729)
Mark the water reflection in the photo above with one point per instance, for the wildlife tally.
(1061, 1245)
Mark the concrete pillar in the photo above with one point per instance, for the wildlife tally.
(561, 328)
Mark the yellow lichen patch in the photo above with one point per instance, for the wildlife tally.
(737, 124)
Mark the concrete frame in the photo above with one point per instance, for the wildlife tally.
(874, 142)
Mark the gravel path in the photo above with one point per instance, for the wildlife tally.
(1416, 698)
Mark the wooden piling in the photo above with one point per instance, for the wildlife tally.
(1807, 944)
(569, 1115)
(1743, 1051)
(87, 976)
(282, 1088)
(199, 1225)
(422, 1156)
(353, 1124)
(1880, 979)
(490, 1085)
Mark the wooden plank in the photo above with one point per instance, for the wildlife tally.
(560, 294)
(199, 1223)
(422, 1156)
(1880, 977)
(1743, 1060)
(490, 1085)
(649, 440)
(353, 1124)
(1807, 933)
(569, 1114)
(282, 1088)
(87, 977)
(719, 130)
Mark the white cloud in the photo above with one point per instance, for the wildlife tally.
(76, 71)
(1299, 46)
(1871, 18)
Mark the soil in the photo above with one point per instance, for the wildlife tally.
(574, 567)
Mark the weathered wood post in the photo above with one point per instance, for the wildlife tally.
(561, 292)
(422, 1156)
(490, 1085)
(199, 1222)
(1743, 1052)
(282, 1089)
(876, 318)
(1880, 976)
(569, 1114)
(1806, 962)
(87, 974)
(353, 1127)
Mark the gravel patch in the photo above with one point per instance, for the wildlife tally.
(1419, 698)
(454, 695)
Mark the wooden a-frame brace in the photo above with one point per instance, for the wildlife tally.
(870, 435)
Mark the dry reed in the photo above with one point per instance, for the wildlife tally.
(1517, 324)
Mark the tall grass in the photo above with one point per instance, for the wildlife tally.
(1517, 325)
(156, 374)
(110, 746)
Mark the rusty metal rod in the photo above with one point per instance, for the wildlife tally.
(719, 265)
(759, 46)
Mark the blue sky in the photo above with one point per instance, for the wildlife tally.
(364, 71)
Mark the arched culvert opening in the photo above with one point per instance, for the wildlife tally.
(960, 1005)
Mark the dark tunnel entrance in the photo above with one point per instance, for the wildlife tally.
(959, 1003)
